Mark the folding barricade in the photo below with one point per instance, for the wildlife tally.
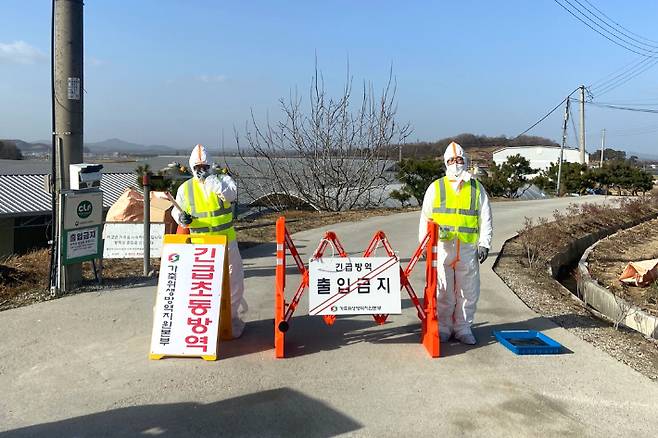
(427, 312)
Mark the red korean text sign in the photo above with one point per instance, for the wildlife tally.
(191, 298)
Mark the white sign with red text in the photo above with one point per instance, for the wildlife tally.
(187, 307)
(354, 286)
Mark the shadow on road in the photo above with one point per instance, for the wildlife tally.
(483, 331)
(273, 413)
(310, 335)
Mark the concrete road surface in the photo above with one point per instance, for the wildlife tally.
(78, 367)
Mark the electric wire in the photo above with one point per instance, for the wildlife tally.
(652, 46)
(603, 84)
(613, 33)
(624, 108)
(608, 88)
(629, 134)
(619, 25)
(605, 78)
(623, 44)
(547, 114)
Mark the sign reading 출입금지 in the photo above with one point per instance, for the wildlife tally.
(81, 244)
(354, 286)
(187, 308)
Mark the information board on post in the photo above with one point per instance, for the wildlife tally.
(81, 235)
(186, 318)
(126, 240)
(354, 286)
(81, 244)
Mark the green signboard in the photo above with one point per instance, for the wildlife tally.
(82, 244)
(81, 237)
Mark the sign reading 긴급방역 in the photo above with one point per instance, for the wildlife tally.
(354, 286)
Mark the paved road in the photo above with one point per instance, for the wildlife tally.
(77, 367)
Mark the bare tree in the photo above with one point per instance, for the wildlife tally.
(332, 155)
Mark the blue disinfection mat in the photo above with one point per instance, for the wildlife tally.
(527, 342)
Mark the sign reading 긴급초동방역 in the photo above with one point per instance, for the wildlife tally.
(187, 309)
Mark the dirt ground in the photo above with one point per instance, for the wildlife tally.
(539, 291)
(24, 278)
(611, 255)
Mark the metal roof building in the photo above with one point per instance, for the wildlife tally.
(25, 209)
(26, 195)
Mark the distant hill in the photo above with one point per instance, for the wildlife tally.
(117, 145)
(9, 150)
(480, 147)
(35, 148)
(644, 156)
(102, 147)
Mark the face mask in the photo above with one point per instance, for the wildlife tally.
(454, 170)
(201, 173)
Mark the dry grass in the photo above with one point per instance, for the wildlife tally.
(544, 238)
(611, 256)
(24, 278)
(522, 266)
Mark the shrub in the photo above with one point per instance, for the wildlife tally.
(417, 175)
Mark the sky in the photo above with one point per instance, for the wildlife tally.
(177, 72)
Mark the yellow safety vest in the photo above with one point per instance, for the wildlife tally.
(212, 216)
(458, 214)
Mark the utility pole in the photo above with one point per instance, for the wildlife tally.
(582, 124)
(68, 110)
(602, 146)
(564, 141)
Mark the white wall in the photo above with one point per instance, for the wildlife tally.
(540, 157)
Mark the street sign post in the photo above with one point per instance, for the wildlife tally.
(81, 236)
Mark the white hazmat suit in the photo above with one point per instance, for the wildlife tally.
(458, 272)
(225, 188)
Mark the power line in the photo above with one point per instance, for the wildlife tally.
(629, 134)
(622, 27)
(612, 27)
(624, 108)
(604, 78)
(629, 104)
(614, 34)
(642, 100)
(617, 77)
(621, 82)
(624, 44)
(543, 118)
(633, 129)
(547, 114)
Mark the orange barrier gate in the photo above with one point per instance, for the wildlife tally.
(426, 311)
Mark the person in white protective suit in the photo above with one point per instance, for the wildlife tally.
(206, 200)
(459, 204)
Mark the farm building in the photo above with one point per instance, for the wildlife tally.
(540, 157)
